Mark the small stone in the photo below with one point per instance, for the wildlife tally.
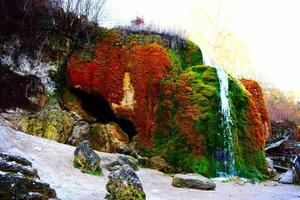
(159, 163)
(144, 162)
(86, 159)
(194, 181)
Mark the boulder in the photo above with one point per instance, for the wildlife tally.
(124, 184)
(79, 133)
(18, 180)
(158, 163)
(107, 137)
(52, 123)
(194, 181)
(86, 159)
(122, 160)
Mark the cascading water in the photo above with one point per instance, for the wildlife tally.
(224, 152)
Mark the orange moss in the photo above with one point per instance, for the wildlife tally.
(104, 74)
(184, 114)
(148, 64)
(255, 126)
(259, 124)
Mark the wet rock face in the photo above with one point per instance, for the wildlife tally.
(86, 159)
(124, 184)
(25, 92)
(18, 180)
(194, 181)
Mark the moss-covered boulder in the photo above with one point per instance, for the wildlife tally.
(86, 159)
(107, 137)
(52, 123)
(124, 184)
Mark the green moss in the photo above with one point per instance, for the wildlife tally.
(97, 172)
(250, 162)
(202, 95)
(175, 61)
(76, 165)
(51, 124)
(194, 54)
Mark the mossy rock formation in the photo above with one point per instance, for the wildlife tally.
(160, 84)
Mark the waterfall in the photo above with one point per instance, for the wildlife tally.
(224, 153)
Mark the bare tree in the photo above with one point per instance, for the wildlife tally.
(93, 10)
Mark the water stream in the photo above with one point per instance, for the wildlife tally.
(224, 152)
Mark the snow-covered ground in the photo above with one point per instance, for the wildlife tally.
(54, 162)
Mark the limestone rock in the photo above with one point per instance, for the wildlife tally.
(194, 181)
(124, 184)
(86, 159)
(18, 180)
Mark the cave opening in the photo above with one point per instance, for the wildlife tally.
(95, 105)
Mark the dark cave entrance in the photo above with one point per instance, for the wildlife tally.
(98, 107)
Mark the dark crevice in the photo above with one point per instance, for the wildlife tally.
(98, 107)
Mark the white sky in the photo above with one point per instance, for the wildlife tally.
(270, 28)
